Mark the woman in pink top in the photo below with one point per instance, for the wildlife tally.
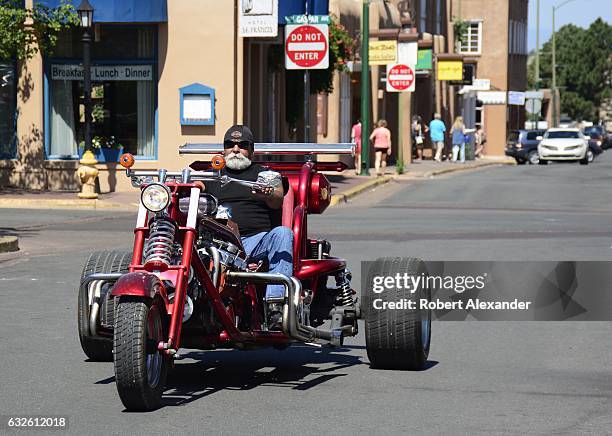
(356, 138)
(382, 145)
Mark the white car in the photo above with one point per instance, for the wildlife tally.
(563, 144)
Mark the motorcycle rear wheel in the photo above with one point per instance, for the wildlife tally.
(397, 338)
(140, 368)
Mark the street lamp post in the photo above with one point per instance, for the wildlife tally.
(554, 63)
(365, 90)
(87, 172)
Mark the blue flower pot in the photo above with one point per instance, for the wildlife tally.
(111, 154)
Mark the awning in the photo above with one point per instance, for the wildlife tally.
(122, 11)
(492, 97)
(297, 7)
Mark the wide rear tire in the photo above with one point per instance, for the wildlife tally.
(397, 338)
(98, 348)
(140, 368)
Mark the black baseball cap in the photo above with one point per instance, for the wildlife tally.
(238, 133)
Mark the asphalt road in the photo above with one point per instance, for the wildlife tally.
(483, 377)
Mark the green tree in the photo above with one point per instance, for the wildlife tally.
(584, 68)
(23, 32)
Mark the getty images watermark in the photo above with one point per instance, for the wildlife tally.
(458, 284)
(492, 291)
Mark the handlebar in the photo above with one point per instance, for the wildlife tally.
(187, 176)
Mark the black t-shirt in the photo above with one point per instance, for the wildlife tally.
(251, 214)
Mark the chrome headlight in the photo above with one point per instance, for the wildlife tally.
(155, 197)
(207, 205)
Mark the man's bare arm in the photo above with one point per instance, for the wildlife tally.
(272, 196)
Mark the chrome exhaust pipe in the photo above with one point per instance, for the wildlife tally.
(293, 291)
(214, 253)
(93, 283)
(94, 308)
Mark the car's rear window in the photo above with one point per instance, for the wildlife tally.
(562, 135)
(593, 131)
(534, 135)
(513, 136)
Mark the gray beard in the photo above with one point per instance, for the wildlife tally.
(237, 162)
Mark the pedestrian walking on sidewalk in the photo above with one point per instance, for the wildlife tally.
(458, 136)
(436, 133)
(356, 138)
(382, 145)
(418, 137)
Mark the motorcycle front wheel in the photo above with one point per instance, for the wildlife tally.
(140, 368)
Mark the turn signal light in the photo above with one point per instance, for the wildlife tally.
(126, 160)
(218, 162)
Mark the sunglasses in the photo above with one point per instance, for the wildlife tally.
(243, 145)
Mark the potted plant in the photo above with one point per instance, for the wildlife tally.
(106, 149)
(111, 149)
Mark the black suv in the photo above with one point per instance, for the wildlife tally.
(522, 145)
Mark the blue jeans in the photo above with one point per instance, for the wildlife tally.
(277, 246)
(459, 148)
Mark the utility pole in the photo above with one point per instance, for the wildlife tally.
(365, 90)
(554, 71)
(554, 63)
(537, 59)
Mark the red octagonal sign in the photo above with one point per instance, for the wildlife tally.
(306, 47)
(400, 77)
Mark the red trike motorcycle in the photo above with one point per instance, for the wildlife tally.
(188, 283)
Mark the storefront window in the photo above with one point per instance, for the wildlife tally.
(123, 92)
(7, 110)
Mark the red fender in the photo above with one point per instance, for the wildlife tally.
(140, 284)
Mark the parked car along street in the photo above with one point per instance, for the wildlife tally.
(522, 145)
(563, 144)
(594, 150)
(598, 136)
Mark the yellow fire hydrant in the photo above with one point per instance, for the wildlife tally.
(87, 173)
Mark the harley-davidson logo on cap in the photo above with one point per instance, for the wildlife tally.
(236, 134)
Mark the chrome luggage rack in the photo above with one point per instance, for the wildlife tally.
(276, 148)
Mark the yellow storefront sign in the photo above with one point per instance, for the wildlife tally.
(450, 70)
(382, 52)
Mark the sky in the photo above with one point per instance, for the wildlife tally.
(578, 12)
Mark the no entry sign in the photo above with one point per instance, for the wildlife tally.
(400, 77)
(306, 47)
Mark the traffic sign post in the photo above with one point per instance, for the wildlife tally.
(400, 78)
(306, 47)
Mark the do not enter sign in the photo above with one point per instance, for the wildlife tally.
(306, 47)
(400, 77)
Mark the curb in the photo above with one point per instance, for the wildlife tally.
(31, 203)
(463, 168)
(350, 193)
(9, 243)
(96, 204)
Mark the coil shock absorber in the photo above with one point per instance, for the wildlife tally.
(161, 240)
(343, 283)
